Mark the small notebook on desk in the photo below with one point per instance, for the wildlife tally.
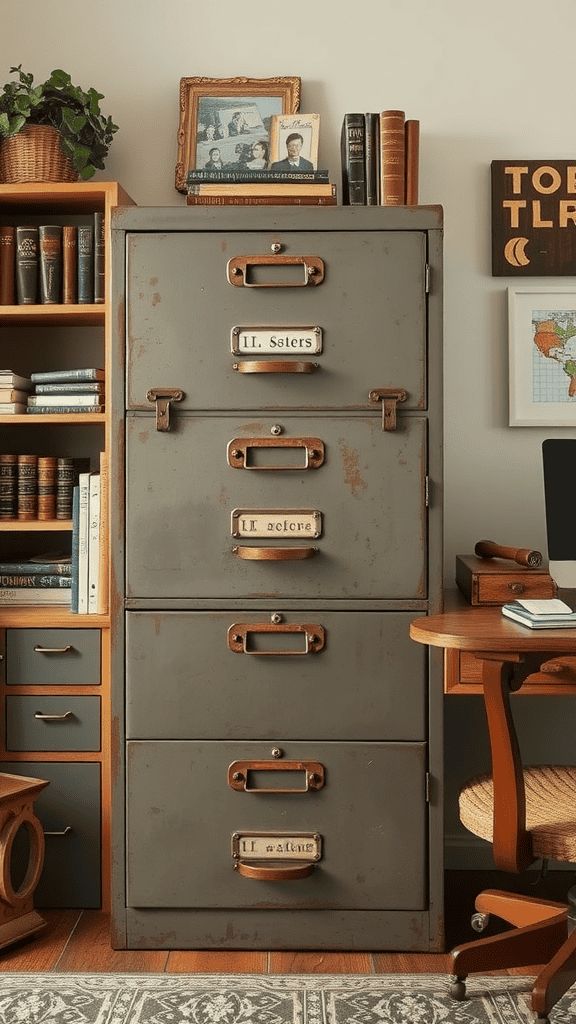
(543, 614)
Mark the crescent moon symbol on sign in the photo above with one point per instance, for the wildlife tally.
(514, 252)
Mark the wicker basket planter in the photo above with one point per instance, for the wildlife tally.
(34, 154)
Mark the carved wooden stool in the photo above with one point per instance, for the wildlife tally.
(18, 919)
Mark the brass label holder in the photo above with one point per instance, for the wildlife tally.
(240, 632)
(238, 775)
(238, 270)
(239, 448)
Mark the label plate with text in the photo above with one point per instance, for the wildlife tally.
(287, 340)
(276, 522)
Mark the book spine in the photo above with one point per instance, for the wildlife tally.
(228, 188)
(371, 150)
(12, 380)
(36, 595)
(64, 487)
(10, 395)
(69, 263)
(27, 259)
(203, 175)
(261, 200)
(8, 486)
(75, 548)
(31, 568)
(7, 265)
(83, 535)
(93, 542)
(392, 158)
(412, 161)
(58, 376)
(27, 487)
(85, 264)
(50, 244)
(46, 410)
(79, 388)
(46, 487)
(41, 581)
(12, 407)
(99, 257)
(353, 160)
(70, 399)
(102, 600)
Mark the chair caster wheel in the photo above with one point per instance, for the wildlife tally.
(458, 989)
(479, 922)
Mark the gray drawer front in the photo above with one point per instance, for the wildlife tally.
(370, 491)
(68, 657)
(182, 308)
(69, 805)
(371, 815)
(183, 681)
(73, 723)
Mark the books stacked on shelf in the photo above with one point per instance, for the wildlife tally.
(38, 579)
(13, 392)
(89, 592)
(67, 391)
(549, 613)
(52, 264)
(380, 159)
(34, 487)
(272, 189)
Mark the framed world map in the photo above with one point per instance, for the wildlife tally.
(542, 356)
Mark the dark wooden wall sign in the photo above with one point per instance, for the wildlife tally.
(533, 218)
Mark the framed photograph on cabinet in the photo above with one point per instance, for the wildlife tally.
(225, 122)
(542, 357)
(294, 142)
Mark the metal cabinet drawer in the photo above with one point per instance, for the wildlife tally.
(182, 310)
(69, 810)
(370, 815)
(234, 674)
(365, 494)
(53, 657)
(52, 723)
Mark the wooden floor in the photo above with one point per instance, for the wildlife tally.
(78, 940)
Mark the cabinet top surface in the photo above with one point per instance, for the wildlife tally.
(270, 218)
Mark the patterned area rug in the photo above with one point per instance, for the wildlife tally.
(266, 999)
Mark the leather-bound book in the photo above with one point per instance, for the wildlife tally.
(27, 259)
(412, 161)
(99, 257)
(353, 158)
(85, 263)
(372, 148)
(69, 263)
(7, 265)
(50, 240)
(392, 158)
(27, 487)
(8, 486)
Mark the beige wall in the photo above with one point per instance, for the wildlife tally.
(489, 80)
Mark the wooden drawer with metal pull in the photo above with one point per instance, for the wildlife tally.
(52, 723)
(495, 581)
(53, 657)
(353, 816)
(69, 811)
(304, 674)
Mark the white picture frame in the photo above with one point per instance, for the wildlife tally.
(542, 356)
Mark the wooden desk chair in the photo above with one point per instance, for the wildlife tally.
(526, 813)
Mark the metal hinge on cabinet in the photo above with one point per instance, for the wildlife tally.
(427, 491)
(427, 785)
(427, 278)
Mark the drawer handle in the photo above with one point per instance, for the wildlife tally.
(313, 634)
(273, 554)
(238, 270)
(53, 650)
(239, 448)
(63, 833)
(276, 366)
(53, 718)
(274, 872)
(239, 770)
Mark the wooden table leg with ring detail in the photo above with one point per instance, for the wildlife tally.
(18, 919)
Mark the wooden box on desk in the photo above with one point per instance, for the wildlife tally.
(496, 580)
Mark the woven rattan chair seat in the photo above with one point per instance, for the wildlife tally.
(550, 809)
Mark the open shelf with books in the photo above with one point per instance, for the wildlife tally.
(50, 652)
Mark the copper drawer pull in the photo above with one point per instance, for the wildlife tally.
(239, 770)
(53, 718)
(239, 270)
(239, 448)
(53, 650)
(239, 633)
(276, 366)
(273, 554)
(280, 872)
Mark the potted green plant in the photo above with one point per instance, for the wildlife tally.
(70, 117)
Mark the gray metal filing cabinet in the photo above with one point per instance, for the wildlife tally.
(278, 482)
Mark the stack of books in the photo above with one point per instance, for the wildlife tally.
(52, 264)
(380, 159)
(89, 593)
(38, 579)
(67, 391)
(255, 188)
(13, 392)
(37, 487)
(541, 614)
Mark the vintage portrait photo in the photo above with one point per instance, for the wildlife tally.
(226, 123)
(294, 142)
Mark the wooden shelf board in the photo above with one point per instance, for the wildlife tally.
(21, 419)
(86, 315)
(48, 616)
(35, 525)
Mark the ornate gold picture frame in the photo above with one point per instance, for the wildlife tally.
(219, 116)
